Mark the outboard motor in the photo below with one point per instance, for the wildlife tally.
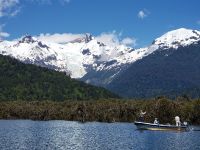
(185, 123)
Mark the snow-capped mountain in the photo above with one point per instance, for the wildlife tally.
(75, 58)
(87, 58)
(177, 38)
(172, 69)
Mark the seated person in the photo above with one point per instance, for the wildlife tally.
(156, 121)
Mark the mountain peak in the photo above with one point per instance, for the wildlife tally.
(28, 39)
(85, 38)
(178, 37)
(88, 37)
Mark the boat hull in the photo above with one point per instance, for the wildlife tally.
(159, 127)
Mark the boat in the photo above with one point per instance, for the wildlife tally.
(160, 127)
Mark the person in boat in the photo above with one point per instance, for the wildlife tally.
(156, 121)
(178, 122)
(141, 118)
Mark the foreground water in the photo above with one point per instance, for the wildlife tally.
(52, 135)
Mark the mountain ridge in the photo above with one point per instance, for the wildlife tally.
(172, 73)
(91, 61)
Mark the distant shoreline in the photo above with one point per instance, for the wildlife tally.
(102, 110)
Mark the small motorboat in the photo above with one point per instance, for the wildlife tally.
(160, 127)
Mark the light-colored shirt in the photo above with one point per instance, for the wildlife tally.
(142, 114)
(155, 121)
(177, 119)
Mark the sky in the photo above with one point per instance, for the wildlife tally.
(133, 22)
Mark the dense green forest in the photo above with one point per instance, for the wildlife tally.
(104, 110)
(20, 81)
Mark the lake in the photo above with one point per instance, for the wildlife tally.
(64, 135)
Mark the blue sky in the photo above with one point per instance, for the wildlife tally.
(143, 20)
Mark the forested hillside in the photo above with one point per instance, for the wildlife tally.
(20, 81)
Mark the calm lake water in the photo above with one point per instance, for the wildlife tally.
(64, 135)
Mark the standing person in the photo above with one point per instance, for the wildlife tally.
(142, 115)
(178, 122)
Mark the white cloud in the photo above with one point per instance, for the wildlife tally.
(65, 1)
(39, 1)
(110, 38)
(143, 13)
(114, 39)
(129, 41)
(59, 38)
(12, 7)
(49, 1)
(198, 22)
(2, 33)
(8, 7)
(15, 12)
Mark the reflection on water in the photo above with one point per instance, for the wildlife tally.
(50, 135)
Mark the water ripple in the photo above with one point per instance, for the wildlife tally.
(66, 135)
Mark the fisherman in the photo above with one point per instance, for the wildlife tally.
(178, 122)
(156, 121)
(142, 115)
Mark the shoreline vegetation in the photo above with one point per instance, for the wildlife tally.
(108, 110)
